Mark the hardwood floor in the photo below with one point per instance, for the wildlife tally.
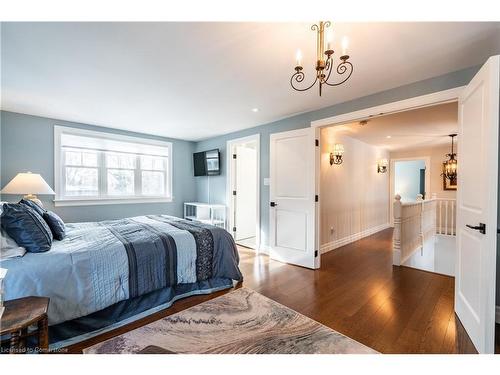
(357, 292)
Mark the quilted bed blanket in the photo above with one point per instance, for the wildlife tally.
(99, 264)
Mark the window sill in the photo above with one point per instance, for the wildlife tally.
(107, 201)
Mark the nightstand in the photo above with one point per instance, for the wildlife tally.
(19, 315)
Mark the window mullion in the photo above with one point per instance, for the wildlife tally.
(62, 179)
(103, 175)
(138, 176)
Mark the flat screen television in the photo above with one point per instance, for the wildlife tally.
(206, 163)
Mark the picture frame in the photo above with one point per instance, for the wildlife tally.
(449, 184)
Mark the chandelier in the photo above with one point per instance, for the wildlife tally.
(325, 64)
(450, 165)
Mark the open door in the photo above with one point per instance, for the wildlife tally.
(245, 200)
(293, 220)
(477, 205)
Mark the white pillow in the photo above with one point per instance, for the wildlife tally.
(8, 247)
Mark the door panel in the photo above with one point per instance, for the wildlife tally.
(470, 270)
(290, 163)
(293, 215)
(477, 203)
(286, 234)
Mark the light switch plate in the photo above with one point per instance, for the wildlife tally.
(266, 181)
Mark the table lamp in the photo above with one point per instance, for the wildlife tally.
(29, 184)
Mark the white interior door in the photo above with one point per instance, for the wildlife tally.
(292, 197)
(246, 192)
(477, 205)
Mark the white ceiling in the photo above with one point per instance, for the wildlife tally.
(198, 80)
(424, 127)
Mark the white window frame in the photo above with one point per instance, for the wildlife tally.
(61, 200)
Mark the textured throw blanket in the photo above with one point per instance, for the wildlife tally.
(100, 264)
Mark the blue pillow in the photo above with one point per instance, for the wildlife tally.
(39, 210)
(56, 225)
(26, 227)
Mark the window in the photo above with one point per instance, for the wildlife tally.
(100, 168)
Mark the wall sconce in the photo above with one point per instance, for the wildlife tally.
(336, 155)
(382, 166)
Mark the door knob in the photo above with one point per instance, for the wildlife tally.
(481, 227)
(273, 204)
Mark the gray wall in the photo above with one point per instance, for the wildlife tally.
(27, 144)
(218, 183)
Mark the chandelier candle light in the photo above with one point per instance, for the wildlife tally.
(324, 63)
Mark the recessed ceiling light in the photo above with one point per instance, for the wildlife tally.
(255, 109)
(388, 137)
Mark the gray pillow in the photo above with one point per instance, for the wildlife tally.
(8, 247)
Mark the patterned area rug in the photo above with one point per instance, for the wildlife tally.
(242, 321)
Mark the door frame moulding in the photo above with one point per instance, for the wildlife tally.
(435, 98)
(229, 185)
(392, 180)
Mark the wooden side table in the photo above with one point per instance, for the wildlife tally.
(22, 313)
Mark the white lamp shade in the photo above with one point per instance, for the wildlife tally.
(27, 183)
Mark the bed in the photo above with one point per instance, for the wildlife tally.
(107, 274)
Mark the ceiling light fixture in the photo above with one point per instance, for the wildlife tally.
(255, 109)
(450, 165)
(388, 137)
(324, 62)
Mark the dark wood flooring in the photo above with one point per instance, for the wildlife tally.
(357, 292)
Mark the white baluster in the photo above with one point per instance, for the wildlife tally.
(446, 218)
(396, 243)
(440, 217)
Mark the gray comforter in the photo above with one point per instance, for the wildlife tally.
(99, 264)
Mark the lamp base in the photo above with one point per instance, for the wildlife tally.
(34, 198)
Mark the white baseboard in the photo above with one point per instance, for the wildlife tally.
(497, 314)
(264, 249)
(352, 238)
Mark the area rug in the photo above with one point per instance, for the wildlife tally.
(242, 321)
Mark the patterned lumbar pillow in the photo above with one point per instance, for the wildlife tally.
(56, 225)
(26, 227)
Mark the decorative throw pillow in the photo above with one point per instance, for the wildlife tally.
(39, 210)
(56, 224)
(26, 227)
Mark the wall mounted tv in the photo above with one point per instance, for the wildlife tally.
(206, 163)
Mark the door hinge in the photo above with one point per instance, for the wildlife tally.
(316, 198)
(234, 156)
(234, 192)
(316, 253)
(316, 142)
(234, 229)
